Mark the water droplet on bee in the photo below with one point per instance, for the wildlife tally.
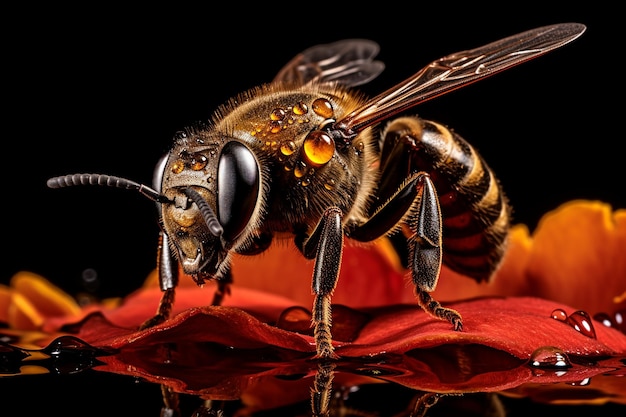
(300, 108)
(318, 147)
(322, 107)
(581, 321)
(275, 126)
(559, 314)
(288, 147)
(299, 171)
(277, 114)
(330, 184)
(549, 357)
(199, 162)
(178, 167)
(305, 182)
(359, 147)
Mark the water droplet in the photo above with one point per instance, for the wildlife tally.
(90, 280)
(559, 314)
(322, 107)
(318, 147)
(178, 167)
(604, 319)
(288, 147)
(549, 357)
(277, 114)
(616, 321)
(275, 126)
(299, 171)
(581, 321)
(582, 383)
(198, 162)
(300, 108)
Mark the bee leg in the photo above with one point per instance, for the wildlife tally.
(416, 203)
(168, 279)
(425, 253)
(325, 244)
(223, 288)
(322, 388)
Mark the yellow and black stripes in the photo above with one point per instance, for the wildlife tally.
(475, 211)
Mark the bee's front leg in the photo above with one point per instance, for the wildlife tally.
(325, 244)
(167, 267)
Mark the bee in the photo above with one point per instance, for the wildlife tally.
(301, 158)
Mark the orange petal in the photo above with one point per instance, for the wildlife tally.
(369, 275)
(5, 301)
(33, 292)
(578, 256)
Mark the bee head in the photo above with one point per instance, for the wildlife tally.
(209, 203)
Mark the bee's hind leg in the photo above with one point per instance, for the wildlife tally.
(425, 253)
(415, 203)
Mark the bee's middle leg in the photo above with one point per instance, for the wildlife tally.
(325, 244)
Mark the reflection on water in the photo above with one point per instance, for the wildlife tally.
(208, 379)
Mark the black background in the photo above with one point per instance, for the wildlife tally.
(105, 90)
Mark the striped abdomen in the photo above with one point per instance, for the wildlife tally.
(476, 214)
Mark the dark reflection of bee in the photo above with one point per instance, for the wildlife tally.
(298, 158)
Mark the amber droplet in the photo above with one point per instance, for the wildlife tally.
(178, 166)
(275, 126)
(330, 184)
(288, 147)
(198, 162)
(277, 114)
(300, 109)
(581, 322)
(299, 171)
(559, 314)
(549, 357)
(318, 147)
(305, 182)
(322, 107)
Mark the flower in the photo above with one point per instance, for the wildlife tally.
(540, 300)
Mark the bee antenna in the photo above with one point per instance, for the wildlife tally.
(207, 213)
(107, 181)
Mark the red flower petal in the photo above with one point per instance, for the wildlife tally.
(216, 351)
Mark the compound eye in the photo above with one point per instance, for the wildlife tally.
(238, 181)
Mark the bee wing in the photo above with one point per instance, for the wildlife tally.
(459, 69)
(349, 62)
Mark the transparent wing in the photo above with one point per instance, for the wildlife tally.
(349, 62)
(459, 69)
